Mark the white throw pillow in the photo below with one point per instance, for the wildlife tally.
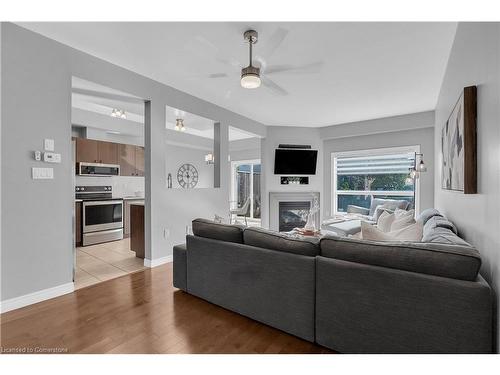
(412, 233)
(385, 221)
(402, 219)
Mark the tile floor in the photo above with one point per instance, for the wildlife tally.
(105, 261)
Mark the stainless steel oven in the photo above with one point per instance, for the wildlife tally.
(102, 216)
(97, 169)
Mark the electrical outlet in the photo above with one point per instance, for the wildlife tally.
(166, 233)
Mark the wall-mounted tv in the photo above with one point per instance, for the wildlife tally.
(295, 161)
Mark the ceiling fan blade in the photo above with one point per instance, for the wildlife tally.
(273, 86)
(203, 76)
(273, 43)
(310, 68)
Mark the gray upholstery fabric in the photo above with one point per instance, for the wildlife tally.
(224, 232)
(273, 287)
(443, 235)
(458, 262)
(368, 309)
(180, 267)
(391, 204)
(379, 211)
(427, 214)
(281, 242)
(439, 222)
(352, 209)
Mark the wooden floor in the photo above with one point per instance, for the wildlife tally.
(141, 313)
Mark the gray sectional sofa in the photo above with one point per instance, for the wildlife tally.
(350, 295)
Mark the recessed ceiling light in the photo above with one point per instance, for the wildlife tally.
(118, 113)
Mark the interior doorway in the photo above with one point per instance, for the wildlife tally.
(245, 191)
(108, 142)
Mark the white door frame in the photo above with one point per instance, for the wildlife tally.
(235, 163)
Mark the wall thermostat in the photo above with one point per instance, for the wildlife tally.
(51, 157)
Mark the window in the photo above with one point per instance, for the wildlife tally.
(246, 185)
(360, 176)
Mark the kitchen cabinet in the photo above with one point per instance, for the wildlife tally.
(108, 152)
(86, 150)
(137, 243)
(126, 216)
(129, 157)
(78, 223)
(139, 161)
(92, 151)
(131, 160)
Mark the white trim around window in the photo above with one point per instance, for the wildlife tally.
(365, 153)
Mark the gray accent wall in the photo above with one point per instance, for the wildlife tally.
(422, 135)
(36, 246)
(475, 60)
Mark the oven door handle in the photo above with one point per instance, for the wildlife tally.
(101, 203)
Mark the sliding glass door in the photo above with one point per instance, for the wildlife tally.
(245, 186)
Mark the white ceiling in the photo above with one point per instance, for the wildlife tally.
(362, 70)
(90, 96)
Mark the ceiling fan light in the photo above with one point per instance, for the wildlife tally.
(250, 81)
(250, 77)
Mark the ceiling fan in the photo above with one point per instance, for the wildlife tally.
(253, 76)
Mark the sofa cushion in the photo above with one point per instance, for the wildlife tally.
(443, 235)
(427, 214)
(223, 232)
(294, 244)
(439, 222)
(453, 261)
(390, 204)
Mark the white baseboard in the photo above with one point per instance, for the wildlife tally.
(158, 262)
(39, 296)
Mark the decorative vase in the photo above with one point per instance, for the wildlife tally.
(310, 224)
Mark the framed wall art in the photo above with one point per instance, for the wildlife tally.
(458, 145)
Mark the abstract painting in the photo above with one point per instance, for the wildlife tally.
(458, 145)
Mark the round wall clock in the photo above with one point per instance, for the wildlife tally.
(187, 176)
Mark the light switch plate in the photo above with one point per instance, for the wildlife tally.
(48, 144)
(42, 173)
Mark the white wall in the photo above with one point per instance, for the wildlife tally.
(245, 149)
(37, 237)
(271, 182)
(179, 155)
(475, 60)
(424, 137)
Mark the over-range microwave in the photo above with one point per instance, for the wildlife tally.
(97, 169)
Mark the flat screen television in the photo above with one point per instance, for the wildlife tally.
(295, 161)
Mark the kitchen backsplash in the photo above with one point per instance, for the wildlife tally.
(123, 186)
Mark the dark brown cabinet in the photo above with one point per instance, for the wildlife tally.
(78, 223)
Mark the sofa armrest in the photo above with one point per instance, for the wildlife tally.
(180, 267)
(352, 209)
(363, 308)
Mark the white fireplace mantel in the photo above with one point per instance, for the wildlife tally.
(276, 197)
